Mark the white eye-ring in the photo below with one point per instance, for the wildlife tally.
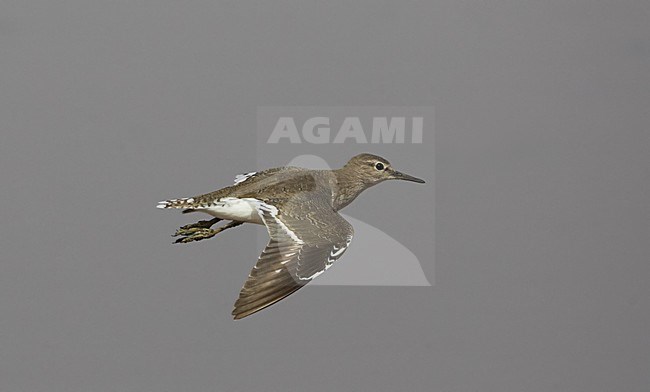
(379, 166)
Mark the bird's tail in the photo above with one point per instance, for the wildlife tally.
(185, 203)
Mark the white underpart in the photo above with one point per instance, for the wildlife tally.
(243, 177)
(234, 208)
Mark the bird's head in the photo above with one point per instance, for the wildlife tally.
(373, 169)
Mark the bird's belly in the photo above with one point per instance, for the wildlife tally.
(232, 208)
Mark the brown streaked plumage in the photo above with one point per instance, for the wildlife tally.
(299, 209)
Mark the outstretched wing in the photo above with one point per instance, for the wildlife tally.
(307, 236)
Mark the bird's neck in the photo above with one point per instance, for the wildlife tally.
(348, 187)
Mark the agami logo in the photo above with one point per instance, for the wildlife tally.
(284, 132)
(318, 130)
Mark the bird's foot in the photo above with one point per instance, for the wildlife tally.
(201, 231)
(195, 234)
(194, 228)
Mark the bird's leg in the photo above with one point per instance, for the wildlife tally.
(205, 233)
(190, 229)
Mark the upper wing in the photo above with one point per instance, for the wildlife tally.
(303, 245)
(265, 174)
(243, 177)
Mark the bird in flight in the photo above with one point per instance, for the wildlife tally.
(299, 208)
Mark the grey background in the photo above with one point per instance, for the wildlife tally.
(541, 195)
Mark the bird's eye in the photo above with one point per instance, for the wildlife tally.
(379, 166)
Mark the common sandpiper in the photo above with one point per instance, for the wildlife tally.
(299, 208)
